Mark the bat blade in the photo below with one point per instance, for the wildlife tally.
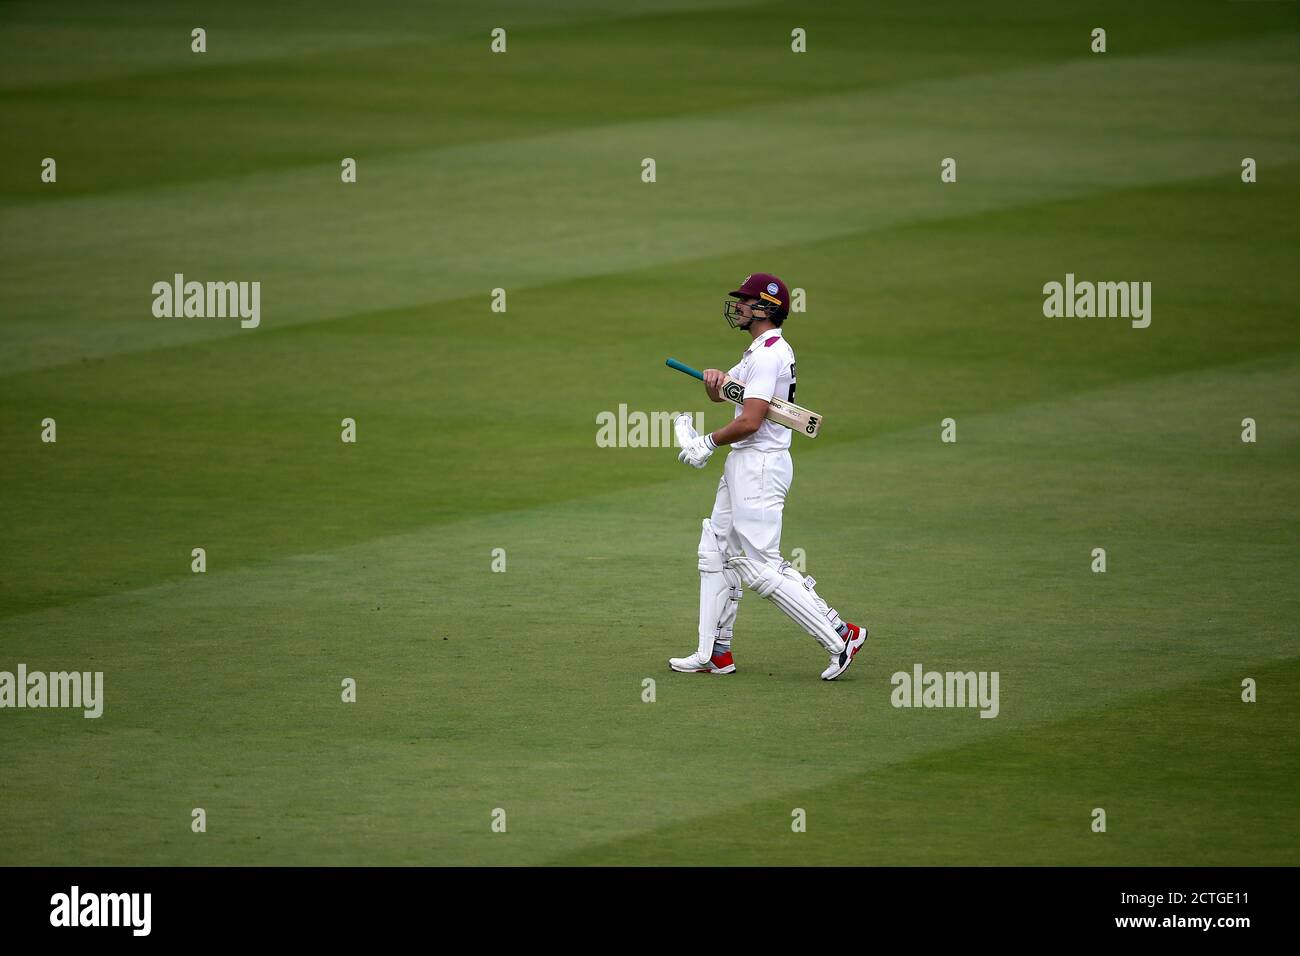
(792, 416)
(795, 417)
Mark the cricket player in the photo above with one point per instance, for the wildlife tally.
(741, 540)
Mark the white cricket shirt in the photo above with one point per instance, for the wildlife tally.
(767, 369)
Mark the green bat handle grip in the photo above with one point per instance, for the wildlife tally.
(673, 363)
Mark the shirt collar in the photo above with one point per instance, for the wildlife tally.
(758, 342)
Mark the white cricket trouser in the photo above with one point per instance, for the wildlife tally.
(750, 502)
(741, 544)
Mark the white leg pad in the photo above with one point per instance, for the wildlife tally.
(792, 598)
(809, 583)
(720, 592)
(728, 619)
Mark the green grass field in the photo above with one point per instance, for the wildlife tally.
(476, 431)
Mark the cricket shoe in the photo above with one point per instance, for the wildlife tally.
(852, 644)
(717, 664)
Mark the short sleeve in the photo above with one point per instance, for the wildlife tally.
(764, 371)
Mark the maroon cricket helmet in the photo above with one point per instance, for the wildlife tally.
(770, 292)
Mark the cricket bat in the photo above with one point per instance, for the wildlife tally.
(785, 413)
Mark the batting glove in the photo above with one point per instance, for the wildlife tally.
(697, 452)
